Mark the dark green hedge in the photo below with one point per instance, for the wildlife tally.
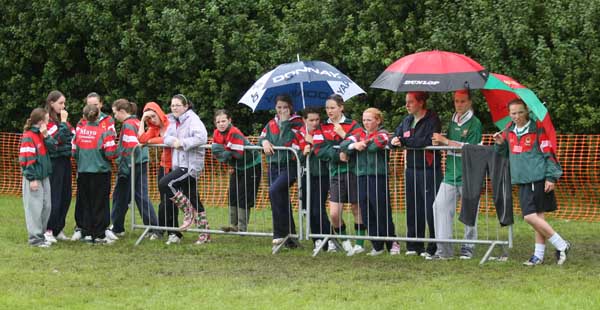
(213, 51)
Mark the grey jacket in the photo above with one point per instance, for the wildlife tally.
(191, 133)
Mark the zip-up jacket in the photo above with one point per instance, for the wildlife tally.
(128, 141)
(284, 133)
(374, 159)
(63, 133)
(228, 147)
(93, 147)
(153, 135)
(531, 156)
(34, 154)
(419, 137)
(191, 133)
(326, 139)
(317, 167)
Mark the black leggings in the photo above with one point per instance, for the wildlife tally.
(177, 180)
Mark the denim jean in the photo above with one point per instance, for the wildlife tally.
(122, 197)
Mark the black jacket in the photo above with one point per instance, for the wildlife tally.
(419, 137)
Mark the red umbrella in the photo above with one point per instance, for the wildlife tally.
(432, 71)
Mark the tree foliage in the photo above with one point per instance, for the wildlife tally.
(214, 50)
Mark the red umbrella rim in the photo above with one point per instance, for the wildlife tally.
(435, 62)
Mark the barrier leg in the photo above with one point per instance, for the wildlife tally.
(278, 247)
(487, 254)
(318, 249)
(139, 240)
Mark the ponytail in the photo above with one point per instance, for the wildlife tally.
(36, 116)
(124, 104)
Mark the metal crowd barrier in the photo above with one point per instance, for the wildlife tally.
(212, 188)
(397, 191)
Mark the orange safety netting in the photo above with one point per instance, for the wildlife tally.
(578, 190)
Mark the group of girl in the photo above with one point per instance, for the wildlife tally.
(347, 163)
(49, 142)
(344, 160)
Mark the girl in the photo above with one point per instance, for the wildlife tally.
(93, 149)
(423, 172)
(36, 166)
(319, 179)
(228, 147)
(342, 175)
(185, 134)
(124, 112)
(60, 179)
(105, 122)
(281, 131)
(157, 123)
(372, 168)
(533, 166)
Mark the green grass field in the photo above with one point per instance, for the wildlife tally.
(240, 273)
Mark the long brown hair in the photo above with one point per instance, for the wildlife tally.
(37, 115)
(53, 96)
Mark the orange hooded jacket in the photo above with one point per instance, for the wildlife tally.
(152, 135)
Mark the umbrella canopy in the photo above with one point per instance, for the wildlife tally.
(309, 83)
(432, 71)
(500, 90)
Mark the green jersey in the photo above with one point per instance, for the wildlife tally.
(465, 129)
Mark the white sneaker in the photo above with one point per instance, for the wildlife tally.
(425, 254)
(173, 239)
(357, 249)
(62, 237)
(317, 245)
(410, 253)
(375, 252)
(331, 248)
(76, 235)
(110, 235)
(154, 236)
(347, 246)
(49, 236)
(278, 241)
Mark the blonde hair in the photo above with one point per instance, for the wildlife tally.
(377, 113)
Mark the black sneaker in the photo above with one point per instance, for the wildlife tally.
(534, 260)
(466, 253)
(561, 256)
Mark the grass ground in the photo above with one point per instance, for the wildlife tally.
(240, 273)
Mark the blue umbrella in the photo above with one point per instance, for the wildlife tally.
(309, 83)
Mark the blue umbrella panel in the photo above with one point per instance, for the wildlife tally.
(309, 83)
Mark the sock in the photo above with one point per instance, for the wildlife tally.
(540, 248)
(360, 231)
(343, 229)
(558, 242)
(340, 230)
